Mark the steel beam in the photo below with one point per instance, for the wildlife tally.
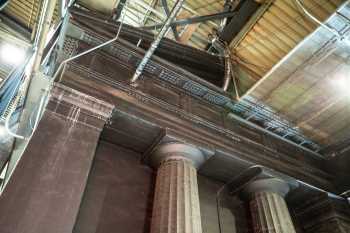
(244, 11)
(155, 44)
(167, 12)
(194, 20)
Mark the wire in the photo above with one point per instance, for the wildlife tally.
(19, 96)
(94, 48)
(7, 121)
(332, 30)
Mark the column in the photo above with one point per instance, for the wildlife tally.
(45, 190)
(176, 202)
(268, 207)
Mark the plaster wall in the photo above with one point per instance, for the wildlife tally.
(119, 195)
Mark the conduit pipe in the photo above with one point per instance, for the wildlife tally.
(43, 30)
(3, 4)
(228, 71)
(306, 12)
(224, 50)
(193, 20)
(38, 57)
(39, 46)
(156, 42)
(94, 48)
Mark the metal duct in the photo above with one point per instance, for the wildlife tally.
(103, 6)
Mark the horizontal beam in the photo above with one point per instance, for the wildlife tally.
(194, 20)
(245, 10)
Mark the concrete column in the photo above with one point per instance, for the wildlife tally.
(268, 207)
(176, 202)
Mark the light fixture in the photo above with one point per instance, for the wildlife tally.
(342, 84)
(11, 55)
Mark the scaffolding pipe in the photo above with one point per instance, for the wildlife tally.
(228, 71)
(156, 42)
(43, 30)
(193, 20)
(94, 48)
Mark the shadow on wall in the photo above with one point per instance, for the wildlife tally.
(119, 194)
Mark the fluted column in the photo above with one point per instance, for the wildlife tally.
(268, 207)
(176, 202)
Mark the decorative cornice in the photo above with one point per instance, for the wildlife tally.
(76, 75)
(63, 95)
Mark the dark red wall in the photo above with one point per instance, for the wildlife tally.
(118, 197)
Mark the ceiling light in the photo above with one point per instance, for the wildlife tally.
(343, 85)
(11, 54)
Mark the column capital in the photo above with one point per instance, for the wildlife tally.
(168, 151)
(273, 185)
(76, 106)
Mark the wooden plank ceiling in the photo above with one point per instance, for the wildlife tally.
(276, 33)
(311, 86)
(138, 15)
(263, 44)
(26, 12)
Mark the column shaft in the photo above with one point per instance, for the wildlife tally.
(270, 213)
(176, 203)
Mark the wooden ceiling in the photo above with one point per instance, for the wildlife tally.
(276, 33)
(311, 86)
(268, 39)
(139, 15)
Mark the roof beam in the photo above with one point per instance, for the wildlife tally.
(244, 11)
(194, 20)
(167, 12)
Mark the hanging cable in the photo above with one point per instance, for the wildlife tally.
(332, 30)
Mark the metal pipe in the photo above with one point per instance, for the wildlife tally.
(235, 84)
(193, 20)
(43, 29)
(332, 30)
(167, 12)
(194, 12)
(37, 118)
(224, 51)
(156, 42)
(149, 8)
(228, 71)
(3, 4)
(92, 49)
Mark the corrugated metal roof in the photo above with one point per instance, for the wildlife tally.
(26, 12)
(139, 14)
(310, 87)
(278, 31)
(274, 34)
